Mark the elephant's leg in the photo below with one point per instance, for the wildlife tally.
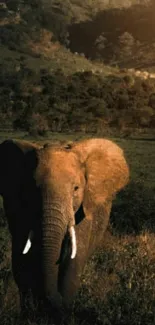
(73, 268)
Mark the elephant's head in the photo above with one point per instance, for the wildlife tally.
(44, 187)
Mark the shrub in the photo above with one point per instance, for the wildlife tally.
(144, 116)
(126, 45)
(37, 125)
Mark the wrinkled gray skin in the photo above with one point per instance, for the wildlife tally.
(47, 190)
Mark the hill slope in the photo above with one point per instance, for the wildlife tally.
(46, 87)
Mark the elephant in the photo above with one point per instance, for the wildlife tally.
(57, 200)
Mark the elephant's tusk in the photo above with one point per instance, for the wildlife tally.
(73, 242)
(28, 244)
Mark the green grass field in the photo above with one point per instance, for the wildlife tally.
(118, 286)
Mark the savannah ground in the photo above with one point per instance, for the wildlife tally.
(118, 285)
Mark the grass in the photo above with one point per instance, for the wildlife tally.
(118, 285)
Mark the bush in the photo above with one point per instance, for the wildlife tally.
(37, 125)
(144, 116)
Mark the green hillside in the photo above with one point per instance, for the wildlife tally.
(45, 87)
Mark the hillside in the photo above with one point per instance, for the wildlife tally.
(45, 87)
(123, 36)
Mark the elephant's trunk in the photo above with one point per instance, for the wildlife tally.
(55, 222)
(54, 227)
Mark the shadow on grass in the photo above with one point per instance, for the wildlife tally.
(134, 210)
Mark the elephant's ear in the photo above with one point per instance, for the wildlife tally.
(12, 157)
(106, 173)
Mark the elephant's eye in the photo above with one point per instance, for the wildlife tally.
(76, 188)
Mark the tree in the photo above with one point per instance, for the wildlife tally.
(100, 41)
(126, 43)
(13, 4)
(57, 16)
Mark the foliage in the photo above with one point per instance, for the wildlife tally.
(126, 44)
(37, 125)
(81, 100)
